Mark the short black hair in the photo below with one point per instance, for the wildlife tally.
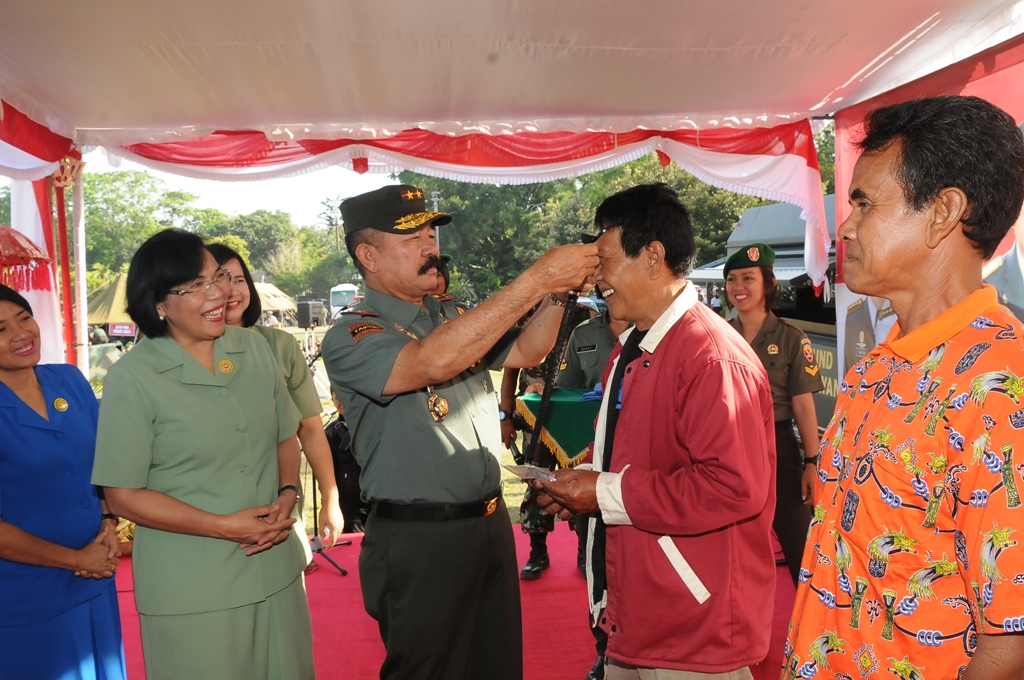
(648, 213)
(11, 295)
(771, 287)
(167, 259)
(353, 239)
(956, 141)
(224, 254)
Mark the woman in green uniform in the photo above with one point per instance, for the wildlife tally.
(793, 374)
(244, 310)
(196, 444)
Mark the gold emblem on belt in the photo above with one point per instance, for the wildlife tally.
(490, 507)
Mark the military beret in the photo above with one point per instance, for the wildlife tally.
(395, 209)
(754, 255)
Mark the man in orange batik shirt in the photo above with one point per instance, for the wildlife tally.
(913, 568)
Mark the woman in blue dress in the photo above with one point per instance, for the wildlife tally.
(58, 548)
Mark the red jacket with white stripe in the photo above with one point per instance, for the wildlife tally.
(689, 499)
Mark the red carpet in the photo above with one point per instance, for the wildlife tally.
(557, 640)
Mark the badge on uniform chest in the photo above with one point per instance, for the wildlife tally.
(437, 405)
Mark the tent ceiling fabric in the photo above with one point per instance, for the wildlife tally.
(122, 72)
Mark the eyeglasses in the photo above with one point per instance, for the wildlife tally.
(201, 287)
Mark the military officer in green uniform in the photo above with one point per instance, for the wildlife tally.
(590, 345)
(868, 322)
(437, 564)
(1006, 274)
(794, 377)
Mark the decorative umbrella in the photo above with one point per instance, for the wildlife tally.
(21, 262)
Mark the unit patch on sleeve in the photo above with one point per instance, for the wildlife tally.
(362, 329)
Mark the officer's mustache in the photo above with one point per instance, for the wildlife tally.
(433, 262)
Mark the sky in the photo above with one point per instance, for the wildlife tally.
(299, 196)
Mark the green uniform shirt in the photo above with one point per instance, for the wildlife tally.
(785, 351)
(296, 371)
(590, 345)
(209, 440)
(405, 456)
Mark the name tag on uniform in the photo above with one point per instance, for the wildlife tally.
(586, 348)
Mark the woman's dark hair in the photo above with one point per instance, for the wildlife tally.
(11, 295)
(223, 254)
(648, 213)
(166, 260)
(955, 141)
(771, 287)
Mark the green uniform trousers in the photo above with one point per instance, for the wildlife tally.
(445, 595)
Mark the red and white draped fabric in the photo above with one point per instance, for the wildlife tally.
(31, 215)
(777, 163)
(30, 151)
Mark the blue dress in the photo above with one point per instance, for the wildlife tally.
(45, 489)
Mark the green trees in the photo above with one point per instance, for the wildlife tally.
(122, 210)
(5, 206)
(496, 233)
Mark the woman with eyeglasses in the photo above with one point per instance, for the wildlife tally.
(58, 549)
(244, 310)
(197, 446)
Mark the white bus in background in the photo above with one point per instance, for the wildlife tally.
(343, 295)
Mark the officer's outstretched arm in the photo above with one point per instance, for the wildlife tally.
(454, 346)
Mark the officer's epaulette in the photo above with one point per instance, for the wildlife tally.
(855, 306)
(886, 312)
(442, 297)
(361, 312)
(783, 320)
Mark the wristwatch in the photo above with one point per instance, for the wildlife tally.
(504, 415)
(294, 488)
(813, 460)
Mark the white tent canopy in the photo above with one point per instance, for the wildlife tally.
(119, 72)
(506, 91)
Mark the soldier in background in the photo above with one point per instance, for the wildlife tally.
(1005, 273)
(868, 322)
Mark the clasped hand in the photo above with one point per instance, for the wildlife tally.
(99, 558)
(260, 528)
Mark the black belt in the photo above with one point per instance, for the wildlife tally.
(436, 512)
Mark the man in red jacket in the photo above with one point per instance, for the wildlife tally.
(681, 568)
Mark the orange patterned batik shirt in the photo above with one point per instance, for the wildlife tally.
(914, 548)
